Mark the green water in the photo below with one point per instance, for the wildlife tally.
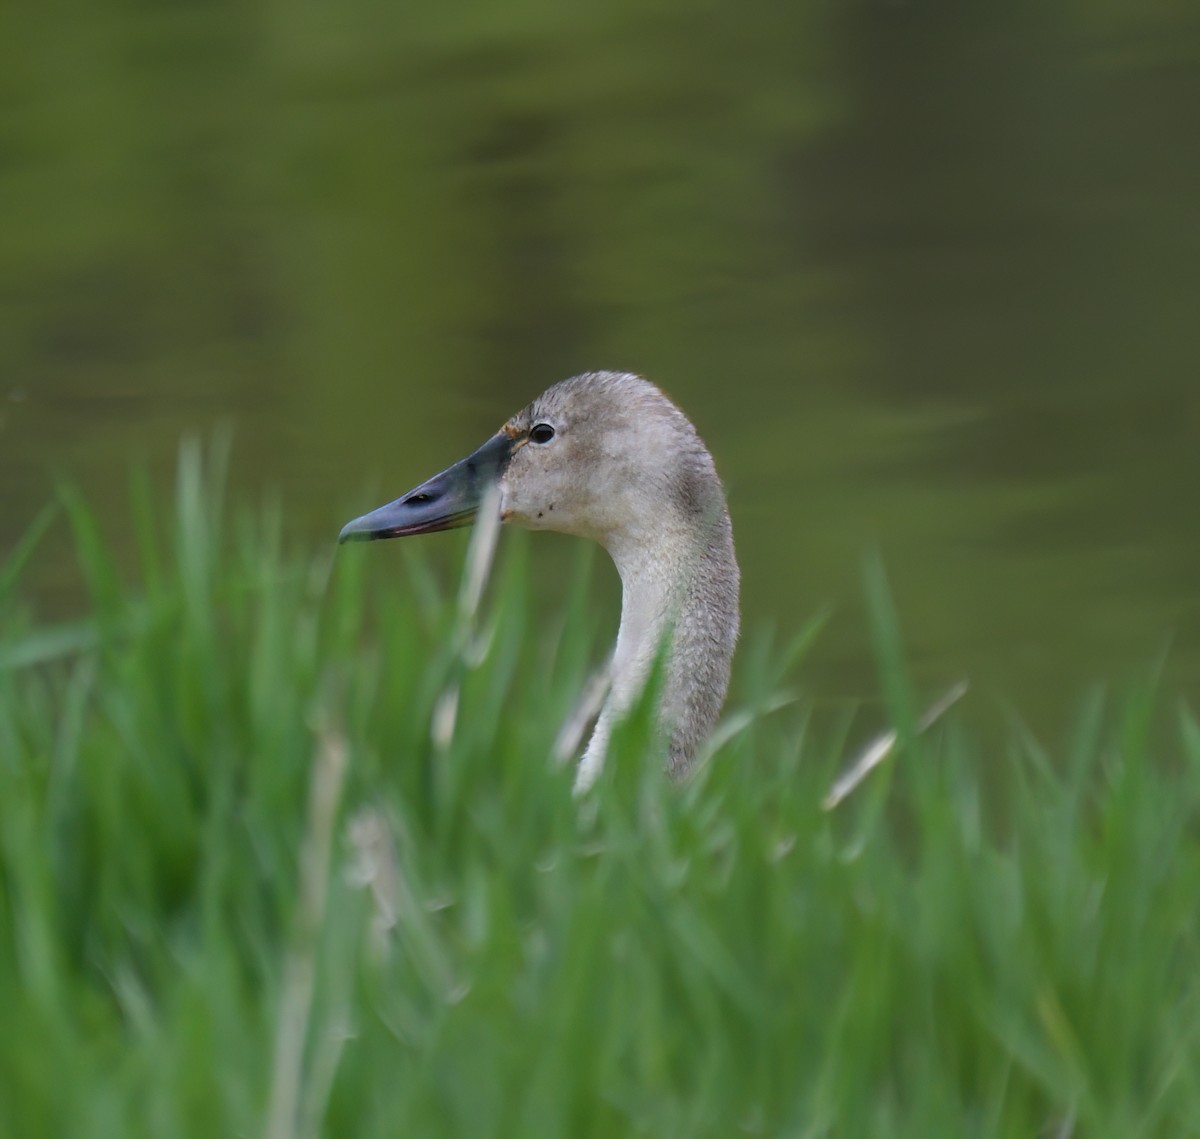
(926, 275)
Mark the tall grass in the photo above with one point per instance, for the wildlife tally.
(258, 877)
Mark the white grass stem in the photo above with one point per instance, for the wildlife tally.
(587, 708)
(882, 745)
(300, 965)
(471, 650)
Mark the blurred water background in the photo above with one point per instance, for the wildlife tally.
(925, 274)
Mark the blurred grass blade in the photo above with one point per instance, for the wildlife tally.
(44, 645)
(15, 563)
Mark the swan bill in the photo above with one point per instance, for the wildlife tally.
(445, 502)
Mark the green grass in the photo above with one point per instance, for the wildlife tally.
(246, 889)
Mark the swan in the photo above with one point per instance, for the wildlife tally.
(607, 456)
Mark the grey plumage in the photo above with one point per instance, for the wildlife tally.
(634, 475)
(607, 456)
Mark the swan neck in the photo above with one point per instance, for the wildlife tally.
(683, 584)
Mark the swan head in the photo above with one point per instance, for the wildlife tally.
(603, 455)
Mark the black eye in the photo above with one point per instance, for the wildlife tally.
(541, 433)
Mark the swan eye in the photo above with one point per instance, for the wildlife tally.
(541, 433)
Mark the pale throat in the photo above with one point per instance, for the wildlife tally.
(655, 567)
